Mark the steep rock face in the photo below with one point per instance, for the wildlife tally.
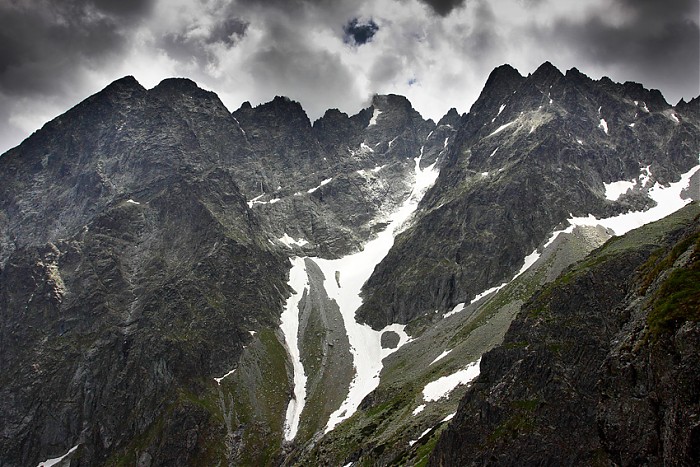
(332, 184)
(532, 152)
(604, 356)
(126, 282)
(137, 271)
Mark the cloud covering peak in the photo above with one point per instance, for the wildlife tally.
(325, 53)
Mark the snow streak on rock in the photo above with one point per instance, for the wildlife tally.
(442, 387)
(56, 460)
(354, 270)
(668, 200)
(299, 282)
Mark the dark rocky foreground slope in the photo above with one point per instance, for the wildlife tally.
(145, 238)
(600, 367)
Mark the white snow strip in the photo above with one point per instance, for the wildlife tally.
(442, 387)
(418, 409)
(373, 120)
(458, 307)
(299, 282)
(614, 190)
(255, 200)
(675, 118)
(289, 241)
(501, 128)
(500, 109)
(484, 174)
(429, 135)
(354, 270)
(363, 146)
(603, 125)
(56, 460)
(131, 201)
(218, 380)
(444, 145)
(252, 333)
(273, 201)
(412, 442)
(644, 107)
(668, 200)
(392, 141)
(324, 182)
(494, 152)
(449, 417)
(239, 126)
(441, 356)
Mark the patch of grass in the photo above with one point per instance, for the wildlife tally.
(678, 298)
(659, 262)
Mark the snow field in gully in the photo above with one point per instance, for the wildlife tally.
(365, 343)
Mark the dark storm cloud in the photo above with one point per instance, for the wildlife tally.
(658, 42)
(359, 33)
(43, 44)
(443, 7)
(187, 48)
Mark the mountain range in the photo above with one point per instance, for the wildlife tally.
(517, 285)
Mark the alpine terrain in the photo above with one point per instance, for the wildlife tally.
(518, 285)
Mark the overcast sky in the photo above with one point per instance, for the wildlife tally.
(330, 53)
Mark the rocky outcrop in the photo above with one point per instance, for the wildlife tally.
(531, 152)
(598, 368)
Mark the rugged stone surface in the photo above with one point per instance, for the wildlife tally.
(531, 152)
(598, 368)
(144, 245)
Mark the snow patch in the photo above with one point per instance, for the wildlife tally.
(603, 125)
(324, 182)
(299, 282)
(364, 147)
(131, 201)
(375, 115)
(441, 356)
(414, 441)
(675, 118)
(442, 387)
(218, 380)
(501, 128)
(353, 271)
(614, 190)
(289, 241)
(418, 409)
(579, 142)
(458, 307)
(56, 460)
(668, 200)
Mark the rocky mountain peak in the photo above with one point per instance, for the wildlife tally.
(278, 109)
(652, 98)
(546, 75)
(450, 118)
(504, 75)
